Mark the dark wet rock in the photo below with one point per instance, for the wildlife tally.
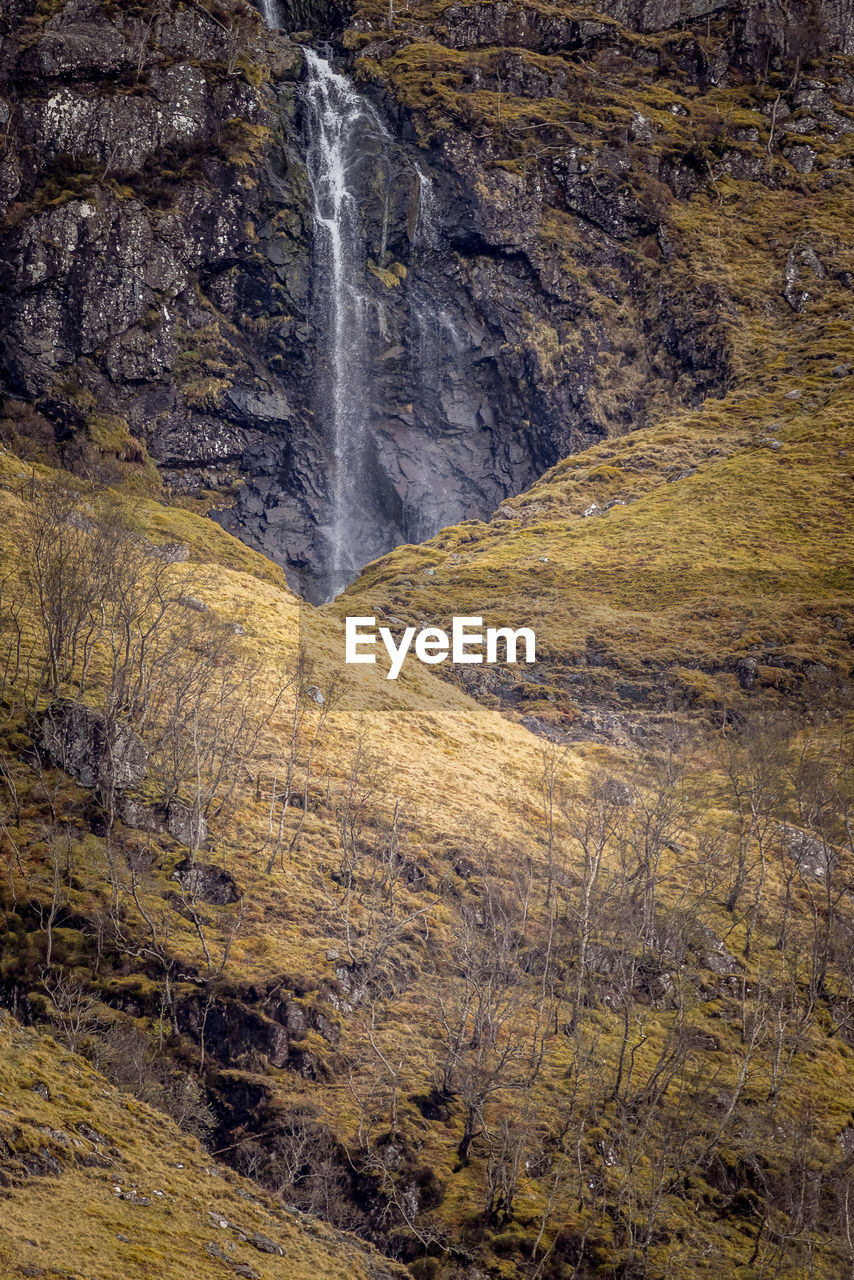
(265, 1245)
(138, 814)
(322, 1025)
(293, 1016)
(802, 157)
(91, 1134)
(747, 670)
(509, 25)
(93, 1160)
(302, 1061)
(235, 1033)
(41, 1164)
(237, 1268)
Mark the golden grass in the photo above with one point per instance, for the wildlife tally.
(77, 1223)
(462, 770)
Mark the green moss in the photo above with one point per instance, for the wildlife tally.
(606, 474)
(205, 393)
(242, 143)
(80, 397)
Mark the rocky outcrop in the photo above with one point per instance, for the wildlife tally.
(207, 883)
(131, 188)
(102, 757)
(520, 296)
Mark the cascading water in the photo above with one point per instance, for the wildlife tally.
(395, 435)
(269, 12)
(342, 129)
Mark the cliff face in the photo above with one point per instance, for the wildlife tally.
(134, 139)
(520, 297)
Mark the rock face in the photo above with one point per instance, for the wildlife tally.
(131, 188)
(209, 883)
(518, 297)
(81, 742)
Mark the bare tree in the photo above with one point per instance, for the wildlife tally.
(753, 761)
(592, 822)
(73, 1009)
(492, 1023)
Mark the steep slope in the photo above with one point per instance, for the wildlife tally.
(531, 204)
(95, 1184)
(692, 566)
(494, 1008)
(537, 1010)
(706, 556)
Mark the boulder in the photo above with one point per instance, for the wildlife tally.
(185, 825)
(94, 753)
(209, 883)
(747, 671)
(815, 858)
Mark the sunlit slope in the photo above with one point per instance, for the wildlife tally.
(453, 764)
(454, 958)
(678, 566)
(721, 555)
(726, 572)
(95, 1184)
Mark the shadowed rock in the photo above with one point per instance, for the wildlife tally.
(209, 883)
(106, 758)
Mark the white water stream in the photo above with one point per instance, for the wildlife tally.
(270, 13)
(339, 123)
(348, 152)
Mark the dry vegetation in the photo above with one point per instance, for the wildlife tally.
(659, 561)
(565, 1011)
(133, 1194)
(550, 1007)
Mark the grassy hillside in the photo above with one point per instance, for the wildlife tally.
(547, 1005)
(96, 1184)
(692, 210)
(655, 565)
(539, 1010)
(662, 571)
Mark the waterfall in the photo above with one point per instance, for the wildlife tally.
(270, 12)
(371, 203)
(427, 231)
(340, 123)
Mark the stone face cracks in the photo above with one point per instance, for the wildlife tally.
(513, 292)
